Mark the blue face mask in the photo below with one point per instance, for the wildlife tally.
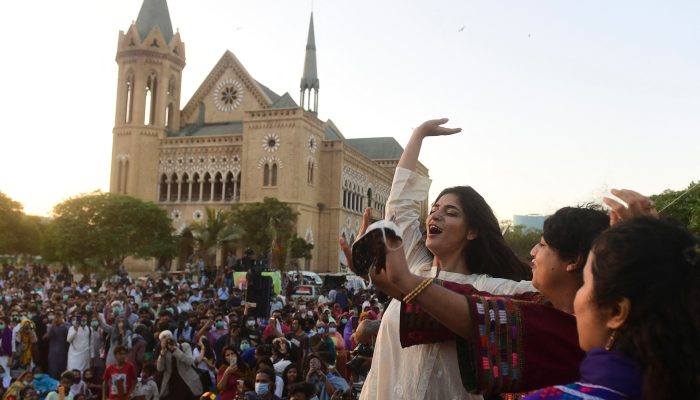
(262, 389)
(320, 331)
(244, 346)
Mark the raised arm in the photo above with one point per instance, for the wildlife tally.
(409, 158)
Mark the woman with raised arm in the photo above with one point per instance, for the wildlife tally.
(464, 245)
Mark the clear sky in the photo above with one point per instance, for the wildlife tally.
(559, 100)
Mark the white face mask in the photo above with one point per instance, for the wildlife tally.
(250, 324)
(331, 330)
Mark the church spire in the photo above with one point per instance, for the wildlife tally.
(154, 13)
(309, 81)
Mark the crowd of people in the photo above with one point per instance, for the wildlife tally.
(173, 336)
(606, 310)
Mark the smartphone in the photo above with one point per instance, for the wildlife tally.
(369, 250)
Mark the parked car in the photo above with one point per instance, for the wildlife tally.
(309, 278)
(306, 293)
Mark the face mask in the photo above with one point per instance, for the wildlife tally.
(2, 327)
(83, 322)
(88, 307)
(65, 297)
(344, 320)
(262, 389)
(310, 313)
(144, 304)
(219, 324)
(29, 315)
(170, 310)
(244, 346)
(117, 310)
(50, 317)
(250, 324)
(331, 330)
(320, 331)
(26, 383)
(95, 324)
(73, 321)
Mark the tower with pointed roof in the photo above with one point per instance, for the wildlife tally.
(237, 141)
(309, 80)
(151, 59)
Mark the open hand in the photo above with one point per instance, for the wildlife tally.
(637, 205)
(433, 128)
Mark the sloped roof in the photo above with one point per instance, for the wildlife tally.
(154, 13)
(272, 95)
(379, 148)
(228, 128)
(285, 101)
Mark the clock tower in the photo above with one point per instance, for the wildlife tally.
(151, 59)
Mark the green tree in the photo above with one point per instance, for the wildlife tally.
(102, 229)
(213, 233)
(683, 205)
(261, 223)
(11, 215)
(522, 240)
(299, 248)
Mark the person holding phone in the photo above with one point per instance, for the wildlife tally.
(62, 391)
(175, 362)
(326, 382)
(232, 369)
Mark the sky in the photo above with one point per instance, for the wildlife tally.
(559, 101)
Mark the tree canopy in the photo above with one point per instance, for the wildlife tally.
(263, 222)
(19, 233)
(522, 240)
(213, 233)
(102, 229)
(683, 205)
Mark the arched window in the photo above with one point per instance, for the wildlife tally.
(229, 185)
(151, 91)
(310, 173)
(369, 197)
(163, 192)
(273, 175)
(237, 190)
(218, 187)
(266, 175)
(129, 104)
(196, 187)
(185, 187)
(169, 117)
(174, 182)
(206, 187)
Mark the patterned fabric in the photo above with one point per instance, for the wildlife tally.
(498, 357)
(579, 391)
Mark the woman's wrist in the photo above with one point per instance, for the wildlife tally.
(408, 283)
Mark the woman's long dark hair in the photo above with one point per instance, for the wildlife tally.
(488, 253)
(656, 265)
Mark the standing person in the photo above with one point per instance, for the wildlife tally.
(264, 386)
(636, 315)
(464, 245)
(119, 379)
(326, 382)
(146, 388)
(231, 370)
(57, 335)
(180, 380)
(80, 342)
(5, 343)
(25, 344)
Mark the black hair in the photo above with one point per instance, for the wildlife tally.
(571, 230)
(304, 388)
(270, 374)
(654, 264)
(149, 368)
(488, 253)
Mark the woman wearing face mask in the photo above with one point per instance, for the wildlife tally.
(322, 344)
(205, 360)
(119, 334)
(230, 371)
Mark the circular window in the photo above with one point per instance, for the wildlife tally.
(228, 95)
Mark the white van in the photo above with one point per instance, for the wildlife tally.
(309, 278)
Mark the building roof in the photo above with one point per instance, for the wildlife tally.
(310, 78)
(272, 95)
(332, 133)
(154, 13)
(228, 128)
(285, 101)
(379, 148)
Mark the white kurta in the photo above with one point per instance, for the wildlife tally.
(429, 371)
(79, 349)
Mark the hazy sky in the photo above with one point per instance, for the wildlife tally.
(559, 100)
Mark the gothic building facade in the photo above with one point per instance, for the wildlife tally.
(237, 141)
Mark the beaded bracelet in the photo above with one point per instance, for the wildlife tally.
(415, 292)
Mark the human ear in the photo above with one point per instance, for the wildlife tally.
(472, 234)
(575, 264)
(619, 313)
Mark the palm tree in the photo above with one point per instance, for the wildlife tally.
(213, 233)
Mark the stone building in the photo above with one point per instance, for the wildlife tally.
(236, 140)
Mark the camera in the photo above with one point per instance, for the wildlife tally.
(358, 354)
(370, 249)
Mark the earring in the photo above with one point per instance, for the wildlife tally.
(611, 341)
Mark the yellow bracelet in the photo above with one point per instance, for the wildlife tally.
(415, 292)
